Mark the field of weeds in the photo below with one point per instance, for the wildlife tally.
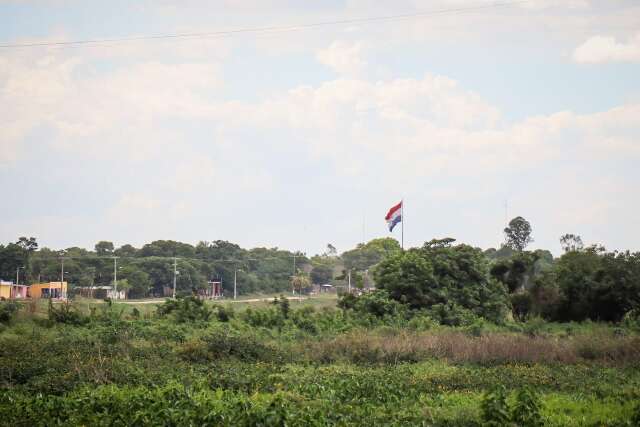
(190, 364)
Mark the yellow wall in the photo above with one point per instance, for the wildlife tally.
(5, 291)
(35, 290)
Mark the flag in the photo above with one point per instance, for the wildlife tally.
(394, 216)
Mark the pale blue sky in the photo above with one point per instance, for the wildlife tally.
(292, 138)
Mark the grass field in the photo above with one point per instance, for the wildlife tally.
(307, 363)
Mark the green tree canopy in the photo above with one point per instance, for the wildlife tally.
(518, 234)
(104, 248)
(440, 273)
(365, 256)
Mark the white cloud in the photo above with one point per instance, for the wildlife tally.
(97, 112)
(602, 49)
(343, 57)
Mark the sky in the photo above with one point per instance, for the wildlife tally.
(306, 136)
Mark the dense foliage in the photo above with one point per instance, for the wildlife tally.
(149, 271)
(281, 365)
(442, 278)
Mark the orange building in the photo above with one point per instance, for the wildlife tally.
(48, 290)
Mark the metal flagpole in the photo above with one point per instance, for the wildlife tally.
(402, 220)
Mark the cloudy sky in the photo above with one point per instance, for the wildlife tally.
(302, 137)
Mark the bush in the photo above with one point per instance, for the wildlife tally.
(440, 274)
(66, 314)
(7, 310)
(421, 322)
(227, 343)
(495, 411)
(525, 411)
(187, 309)
(521, 304)
(451, 314)
(224, 314)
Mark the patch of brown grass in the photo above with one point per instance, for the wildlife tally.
(458, 347)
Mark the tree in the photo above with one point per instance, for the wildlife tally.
(571, 242)
(300, 282)
(365, 256)
(439, 274)
(126, 251)
(597, 285)
(104, 248)
(12, 257)
(321, 274)
(167, 248)
(518, 234)
(331, 250)
(29, 244)
(137, 280)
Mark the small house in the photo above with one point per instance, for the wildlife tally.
(8, 290)
(56, 290)
(100, 292)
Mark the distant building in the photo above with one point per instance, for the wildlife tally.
(55, 290)
(214, 290)
(8, 290)
(322, 289)
(100, 292)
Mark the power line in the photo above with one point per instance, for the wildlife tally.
(269, 29)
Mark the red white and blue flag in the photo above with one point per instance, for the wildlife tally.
(394, 216)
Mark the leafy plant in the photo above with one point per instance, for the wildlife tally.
(527, 409)
(495, 411)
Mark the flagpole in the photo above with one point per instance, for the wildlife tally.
(402, 220)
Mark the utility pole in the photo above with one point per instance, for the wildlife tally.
(115, 276)
(293, 286)
(235, 283)
(349, 286)
(18, 275)
(175, 275)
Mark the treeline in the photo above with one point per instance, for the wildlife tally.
(148, 270)
(455, 283)
(458, 284)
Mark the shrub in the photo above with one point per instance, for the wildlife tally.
(227, 343)
(187, 309)
(347, 302)
(452, 314)
(7, 310)
(66, 314)
(421, 322)
(378, 304)
(495, 411)
(521, 304)
(526, 411)
(224, 314)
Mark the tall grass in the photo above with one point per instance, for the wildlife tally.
(460, 347)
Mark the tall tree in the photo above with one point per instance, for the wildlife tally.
(28, 244)
(518, 234)
(104, 248)
(571, 242)
(439, 274)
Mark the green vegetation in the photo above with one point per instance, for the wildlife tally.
(190, 362)
(450, 336)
